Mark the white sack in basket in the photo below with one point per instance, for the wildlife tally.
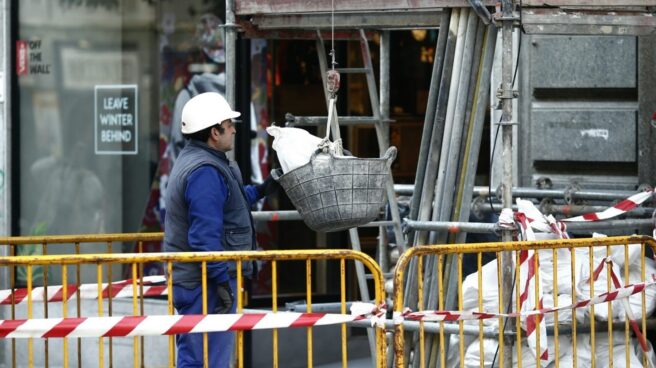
(294, 146)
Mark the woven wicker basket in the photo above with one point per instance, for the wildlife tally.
(335, 193)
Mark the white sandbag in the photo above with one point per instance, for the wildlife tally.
(472, 352)
(602, 352)
(453, 355)
(600, 286)
(564, 316)
(635, 300)
(582, 260)
(563, 273)
(293, 146)
(490, 292)
(489, 287)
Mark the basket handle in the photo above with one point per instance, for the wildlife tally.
(390, 156)
(276, 174)
(332, 124)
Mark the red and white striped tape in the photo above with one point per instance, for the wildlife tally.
(530, 297)
(616, 210)
(548, 224)
(617, 282)
(55, 293)
(176, 324)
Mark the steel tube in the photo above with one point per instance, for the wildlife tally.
(484, 227)
(433, 328)
(507, 179)
(445, 196)
(525, 192)
(567, 209)
(600, 326)
(426, 195)
(276, 215)
(6, 142)
(384, 73)
(437, 134)
(382, 133)
(318, 307)
(481, 103)
(429, 119)
(292, 120)
(440, 185)
(362, 284)
(230, 53)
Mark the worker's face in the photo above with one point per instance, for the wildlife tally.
(225, 141)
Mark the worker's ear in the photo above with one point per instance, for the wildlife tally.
(214, 133)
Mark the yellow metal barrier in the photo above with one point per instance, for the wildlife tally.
(80, 243)
(136, 261)
(605, 343)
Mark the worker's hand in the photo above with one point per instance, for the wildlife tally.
(268, 187)
(226, 298)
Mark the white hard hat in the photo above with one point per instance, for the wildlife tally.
(205, 110)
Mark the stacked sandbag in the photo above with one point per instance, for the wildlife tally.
(491, 357)
(563, 276)
(602, 352)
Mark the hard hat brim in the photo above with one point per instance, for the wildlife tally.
(231, 115)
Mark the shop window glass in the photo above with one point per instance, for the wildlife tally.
(87, 83)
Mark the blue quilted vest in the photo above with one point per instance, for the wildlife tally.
(238, 231)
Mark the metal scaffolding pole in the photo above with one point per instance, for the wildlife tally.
(441, 185)
(506, 95)
(382, 131)
(430, 122)
(364, 290)
(438, 133)
(449, 29)
(445, 196)
(478, 118)
(439, 137)
(568, 194)
(527, 192)
(231, 52)
(486, 227)
(481, 205)
(383, 249)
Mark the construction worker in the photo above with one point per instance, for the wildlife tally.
(208, 209)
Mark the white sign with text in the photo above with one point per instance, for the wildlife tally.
(116, 119)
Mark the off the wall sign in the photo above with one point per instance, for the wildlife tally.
(116, 119)
(29, 58)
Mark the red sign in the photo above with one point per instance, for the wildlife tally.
(21, 57)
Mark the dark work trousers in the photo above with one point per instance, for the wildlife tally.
(190, 346)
